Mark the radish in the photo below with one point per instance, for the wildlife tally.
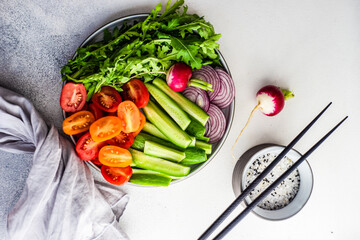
(270, 101)
(178, 78)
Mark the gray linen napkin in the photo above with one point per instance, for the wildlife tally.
(60, 199)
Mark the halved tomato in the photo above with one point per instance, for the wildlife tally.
(123, 140)
(136, 91)
(106, 128)
(116, 175)
(108, 99)
(78, 122)
(114, 156)
(95, 111)
(142, 123)
(130, 116)
(73, 97)
(86, 148)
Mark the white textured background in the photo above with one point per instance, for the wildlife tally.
(311, 47)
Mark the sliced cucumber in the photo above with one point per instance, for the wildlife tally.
(144, 161)
(150, 178)
(205, 139)
(204, 145)
(153, 130)
(157, 150)
(170, 106)
(139, 143)
(166, 125)
(194, 155)
(188, 106)
(193, 141)
(195, 129)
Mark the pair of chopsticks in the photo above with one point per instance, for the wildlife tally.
(268, 190)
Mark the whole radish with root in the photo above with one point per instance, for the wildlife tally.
(270, 101)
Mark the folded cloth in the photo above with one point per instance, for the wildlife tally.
(60, 199)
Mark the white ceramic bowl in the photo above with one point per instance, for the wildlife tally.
(302, 196)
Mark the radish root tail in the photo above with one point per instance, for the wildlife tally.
(242, 130)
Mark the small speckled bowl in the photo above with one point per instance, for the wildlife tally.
(302, 196)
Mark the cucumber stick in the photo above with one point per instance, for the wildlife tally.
(150, 178)
(188, 106)
(193, 141)
(144, 161)
(139, 142)
(195, 129)
(166, 125)
(194, 156)
(205, 139)
(204, 145)
(157, 150)
(151, 129)
(171, 107)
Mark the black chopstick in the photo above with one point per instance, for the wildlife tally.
(268, 190)
(259, 178)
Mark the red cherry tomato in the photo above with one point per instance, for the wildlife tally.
(87, 149)
(108, 99)
(123, 140)
(95, 111)
(73, 97)
(136, 91)
(116, 175)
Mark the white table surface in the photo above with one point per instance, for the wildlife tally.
(310, 47)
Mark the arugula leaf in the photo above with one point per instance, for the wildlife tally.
(186, 52)
(145, 49)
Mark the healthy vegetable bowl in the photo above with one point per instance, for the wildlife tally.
(165, 136)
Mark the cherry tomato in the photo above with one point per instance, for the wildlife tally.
(136, 91)
(130, 116)
(95, 111)
(114, 156)
(78, 122)
(107, 99)
(87, 149)
(116, 175)
(142, 123)
(96, 161)
(73, 97)
(106, 128)
(123, 140)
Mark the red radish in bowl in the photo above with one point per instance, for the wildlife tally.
(270, 101)
(178, 78)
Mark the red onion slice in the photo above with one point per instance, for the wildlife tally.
(190, 93)
(227, 92)
(197, 96)
(208, 74)
(217, 124)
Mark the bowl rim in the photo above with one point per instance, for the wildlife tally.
(231, 107)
